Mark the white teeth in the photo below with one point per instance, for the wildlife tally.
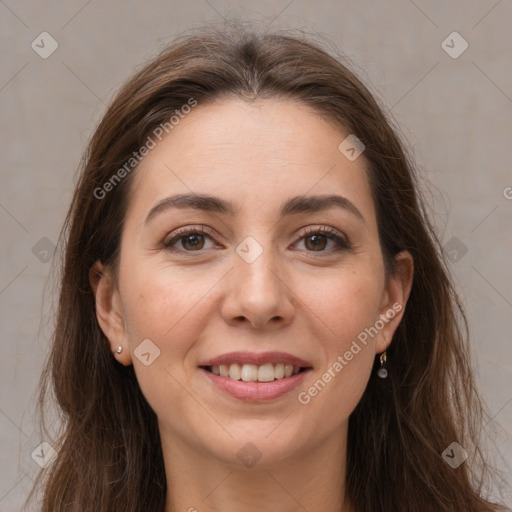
(249, 373)
(235, 371)
(266, 373)
(253, 373)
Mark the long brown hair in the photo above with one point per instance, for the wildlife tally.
(109, 453)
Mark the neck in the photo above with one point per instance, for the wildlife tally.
(197, 481)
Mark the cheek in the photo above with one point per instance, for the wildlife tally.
(345, 311)
(170, 309)
(343, 303)
(160, 304)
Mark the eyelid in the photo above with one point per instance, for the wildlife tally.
(339, 238)
(184, 231)
(325, 230)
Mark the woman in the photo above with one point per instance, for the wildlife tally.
(255, 311)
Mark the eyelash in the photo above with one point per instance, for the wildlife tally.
(330, 233)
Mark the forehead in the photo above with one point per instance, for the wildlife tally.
(251, 154)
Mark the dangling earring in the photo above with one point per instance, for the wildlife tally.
(382, 371)
(119, 349)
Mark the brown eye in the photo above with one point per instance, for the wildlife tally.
(189, 240)
(318, 242)
(192, 242)
(323, 240)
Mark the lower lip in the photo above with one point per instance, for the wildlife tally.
(256, 391)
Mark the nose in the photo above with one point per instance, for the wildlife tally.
(258, 294)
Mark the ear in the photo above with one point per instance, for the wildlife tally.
(109, 311)
(398, 288)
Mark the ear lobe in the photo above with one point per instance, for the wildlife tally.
(398, 289)
(109, 311)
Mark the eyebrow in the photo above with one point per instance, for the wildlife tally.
(295, 205)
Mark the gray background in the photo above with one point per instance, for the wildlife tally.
(454, 112)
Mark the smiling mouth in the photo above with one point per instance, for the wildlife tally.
(253, 373)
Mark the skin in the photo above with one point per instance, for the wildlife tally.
(197, 304)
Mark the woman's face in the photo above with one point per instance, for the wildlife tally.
(279, 265)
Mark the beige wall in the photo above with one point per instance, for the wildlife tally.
(456, 113)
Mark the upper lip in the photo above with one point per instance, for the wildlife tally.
(257, 359)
